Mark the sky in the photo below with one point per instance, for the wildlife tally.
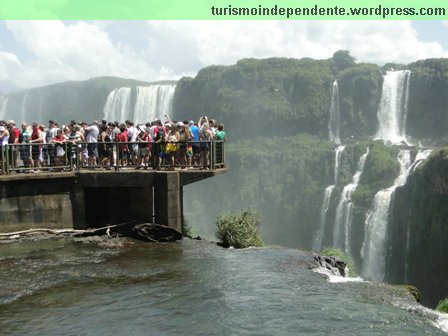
(38, 53)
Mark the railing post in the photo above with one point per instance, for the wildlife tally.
(7, 158)
(213, 154)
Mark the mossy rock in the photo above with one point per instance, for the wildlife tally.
(414, 291)
(443, 306)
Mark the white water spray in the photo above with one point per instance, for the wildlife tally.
(317, 244)
(3, 104)
(153, 102)
(392, 112)
(343, 221)
(117, 105)
(23, 108)
(374, 246)
(334, 118)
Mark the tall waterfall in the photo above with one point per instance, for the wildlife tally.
(343, 221)
(118, 104)
(23, 108)
(334, 118)
(3, 105)
(317, 244)
(151, 102)
(373, 248)
(392, 112)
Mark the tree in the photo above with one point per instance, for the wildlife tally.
(343, 60)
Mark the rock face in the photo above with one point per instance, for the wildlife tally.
(418, 237)
(333, 264)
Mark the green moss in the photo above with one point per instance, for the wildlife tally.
(443, 306)
(335, 252)
(239, 230)
(414, 291)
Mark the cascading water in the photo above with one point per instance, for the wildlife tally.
(392, 112)
(373, 248)
(118, 104)
(23, 108)
(3, 103)
(317, 244)
(153, 102)
(343, 221)
(334, 118)
(421, 156)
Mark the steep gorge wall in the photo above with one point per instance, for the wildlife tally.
(418, 237)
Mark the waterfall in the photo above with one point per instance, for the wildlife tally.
(23, 108)
(153, 102)
(334, 119)
(392, 111)
(373, 248)
(343, 221)
(317, 244)
(421, 156)
(118, 104)
(3, 106)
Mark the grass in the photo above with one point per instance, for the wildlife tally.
(239, 229)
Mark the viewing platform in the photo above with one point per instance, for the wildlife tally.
(79, 196)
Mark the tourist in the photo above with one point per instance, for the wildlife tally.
(91, 136)
(144, 147)
(37, 141)
(13, 140)
(123, 149)
(25, 152)
(59, 145)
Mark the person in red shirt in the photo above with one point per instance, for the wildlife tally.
(35, 150)
(14, 135)
(123, 149)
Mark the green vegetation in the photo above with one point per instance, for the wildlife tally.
(335, 252)
(239, 230)
(443, 306)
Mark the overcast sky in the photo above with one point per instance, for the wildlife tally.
(37, 53)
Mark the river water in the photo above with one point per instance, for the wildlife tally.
(63, 287)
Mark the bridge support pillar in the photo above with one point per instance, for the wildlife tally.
(168, 201)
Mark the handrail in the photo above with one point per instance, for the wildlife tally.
(52, 157)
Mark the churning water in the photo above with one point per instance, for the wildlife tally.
(61, 287)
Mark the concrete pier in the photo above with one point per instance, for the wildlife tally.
(90, 198)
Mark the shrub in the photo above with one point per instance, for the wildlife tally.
(443, 306)
(239, 229)
(335, 252)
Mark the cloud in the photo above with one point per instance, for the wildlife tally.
(224, 42)
(54, 51)
(73, 51)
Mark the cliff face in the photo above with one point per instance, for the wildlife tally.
(418, 239)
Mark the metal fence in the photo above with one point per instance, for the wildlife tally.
(68, 156)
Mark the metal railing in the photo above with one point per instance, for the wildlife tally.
(69, 156)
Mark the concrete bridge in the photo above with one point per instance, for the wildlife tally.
(93, 198)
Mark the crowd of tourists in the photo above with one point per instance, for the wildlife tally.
(169, 144)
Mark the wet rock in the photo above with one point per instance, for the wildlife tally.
(333, 264)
